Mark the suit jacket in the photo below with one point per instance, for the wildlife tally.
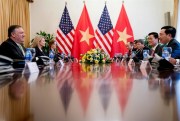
(39, 52)
(139, 53)
(175, 45)
(10, 49)
(158, 50)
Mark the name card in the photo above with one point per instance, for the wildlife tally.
(61, 63)
(144, 72)
(131, 62)
(130, 67)
(61, 68)
(32, 67)
(145, 64)
(122, 61)
(33, 77)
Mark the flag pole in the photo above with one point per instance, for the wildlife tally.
(66, 3)
(84, 1)
(122, 1)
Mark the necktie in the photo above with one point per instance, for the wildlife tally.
(152, 52)
(165, 45)
(21, 49)
(130, 52)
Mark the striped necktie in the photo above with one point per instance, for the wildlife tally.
(152, 52)
(21, 49)
(165, 45)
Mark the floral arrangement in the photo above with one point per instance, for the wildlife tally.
(95, 56)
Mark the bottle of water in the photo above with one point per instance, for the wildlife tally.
(125, 55)
(51, 56)
(133, 54)
(62, 56)
(165, 54)
(145, 55)
(28, 55)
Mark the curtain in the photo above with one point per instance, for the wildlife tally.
(175, 15)
(177, 18)
(14, 12)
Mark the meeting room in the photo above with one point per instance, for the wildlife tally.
(89, 60)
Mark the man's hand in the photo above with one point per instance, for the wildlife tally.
(157, 57)
(172, 60)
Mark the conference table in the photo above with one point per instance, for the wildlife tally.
(90, 92)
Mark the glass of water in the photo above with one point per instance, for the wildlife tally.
(133, 54)
(166, 52)
(145, 54)
(33, 51)
(125, 56)
(118, 56)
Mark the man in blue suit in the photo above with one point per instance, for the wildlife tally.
(13, 46)
(166, 37)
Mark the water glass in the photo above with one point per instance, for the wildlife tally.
(125, 56)
(28, 55)
(33, 51)
(118, 56)
(145, 54)
(133, 54)
(166, 52)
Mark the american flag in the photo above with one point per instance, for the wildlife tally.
(104, 32)
(65, 33)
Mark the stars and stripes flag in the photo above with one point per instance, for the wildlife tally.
(65, 33)
(104, 32)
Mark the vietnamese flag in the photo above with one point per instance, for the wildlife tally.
(123, 33)
(84, 35)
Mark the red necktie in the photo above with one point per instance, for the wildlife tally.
(152, 52)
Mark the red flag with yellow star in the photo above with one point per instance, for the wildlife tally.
(84, 35)
(123, 33)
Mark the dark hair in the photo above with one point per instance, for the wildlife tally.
(170, 30)
(135, 41)
(140, 41)
(51, 43)
(131, 43)
(12, 28)
(155, 34)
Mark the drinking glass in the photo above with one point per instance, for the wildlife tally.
(125, 56)
(133, 54)
(166, 52)
(145, 54)
(118, 56)
(33, 51)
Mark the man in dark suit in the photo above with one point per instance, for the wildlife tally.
(153, 41)
(139, 50)
(13, 46)
(166, 37)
